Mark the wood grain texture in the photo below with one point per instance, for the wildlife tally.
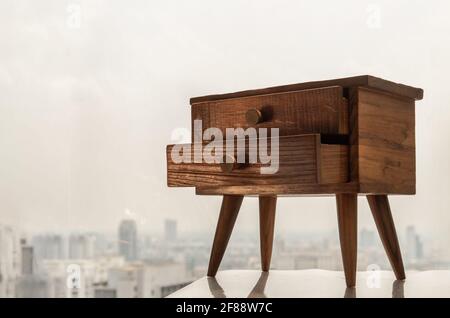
(302, 160)
(353, 135)
(334, 163)
(381, 211)
(383, 143)
(227, 217)
(267, 207)
(281, 189)
(323, 110)
(362, 80)
(347, 211)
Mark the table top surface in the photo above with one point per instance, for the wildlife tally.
(361, 80)
(317, 283)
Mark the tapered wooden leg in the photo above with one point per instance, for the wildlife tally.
(347, 219)
(227, 217)
(379, 204)
(267, 206)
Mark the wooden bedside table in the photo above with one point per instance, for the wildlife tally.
(339, 137)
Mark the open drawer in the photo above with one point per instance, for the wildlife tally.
(302, 159)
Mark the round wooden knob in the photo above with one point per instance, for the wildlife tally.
(229, 164)
(253, 116)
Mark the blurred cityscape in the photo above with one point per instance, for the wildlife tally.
(133, 264)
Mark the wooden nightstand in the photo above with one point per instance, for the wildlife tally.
(340, 137)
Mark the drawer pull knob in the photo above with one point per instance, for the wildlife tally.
(229, 164)
(253, 116)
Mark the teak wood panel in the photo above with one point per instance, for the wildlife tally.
(267, 208)
(302, 160)
(322, 110)
(382, 142)
(227, 217)
(293, 189)
(347, 82)
(347, 206)
(381, 211)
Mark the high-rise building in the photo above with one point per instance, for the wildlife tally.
(27, 259)
(48, 246)
(128, 240)
(419, 248)
(29, 284)
(81, 246)
(170, 230)
(414, 244)
(9, 261)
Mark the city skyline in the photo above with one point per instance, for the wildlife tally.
(61, 245)
(50, 260)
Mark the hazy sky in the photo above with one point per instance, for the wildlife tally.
(90, 98)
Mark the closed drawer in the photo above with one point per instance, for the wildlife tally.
(302, 159)
(322, 111)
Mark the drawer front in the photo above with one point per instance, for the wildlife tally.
(302, 160)
(323, 111)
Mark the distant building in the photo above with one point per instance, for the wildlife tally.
(170, 230)
(419, 248)
(48, 246)
(329, 260)
(70, 278)
(414, 245)
(81, 246)
(9, 261)
(366, 238)
(124, 280)
(78, 278)
(30, 284)
(279, 244)
(27, 260)
(128, 240)
(148, 279)
(105, 293)
(158, 278)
